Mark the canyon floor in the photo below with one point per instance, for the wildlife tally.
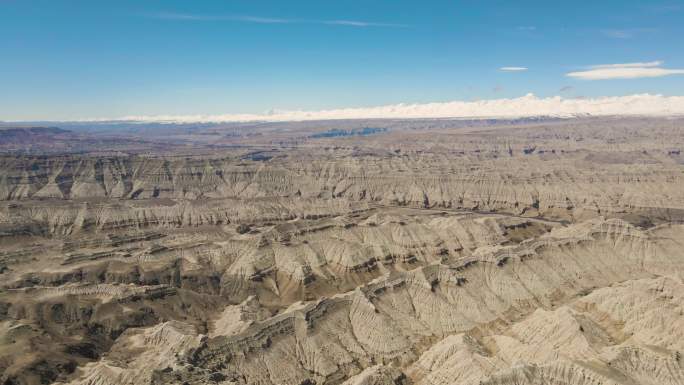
(370, 252)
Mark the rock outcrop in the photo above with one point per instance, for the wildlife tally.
(430, 252)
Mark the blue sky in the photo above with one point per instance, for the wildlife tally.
(77, 59)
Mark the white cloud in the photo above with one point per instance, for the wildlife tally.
(625, 71)
(656, 63)
(267, 20)
(355, 23)
(628, 33)
(618, 33)
(526, 106)
(664, 8)
(262, 20)
(193, 17)
(513, 69)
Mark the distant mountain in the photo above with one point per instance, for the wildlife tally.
(21, 134)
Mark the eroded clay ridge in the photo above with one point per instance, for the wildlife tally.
(417, 252)
(568, 308)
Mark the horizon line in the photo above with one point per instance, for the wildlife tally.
(525, 106)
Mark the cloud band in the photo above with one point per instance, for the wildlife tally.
(526, 106)
(625, 71)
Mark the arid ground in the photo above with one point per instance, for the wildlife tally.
(365, 252)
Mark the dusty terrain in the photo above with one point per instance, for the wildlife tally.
(343, 252)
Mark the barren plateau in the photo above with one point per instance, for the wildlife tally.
(360, 252)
